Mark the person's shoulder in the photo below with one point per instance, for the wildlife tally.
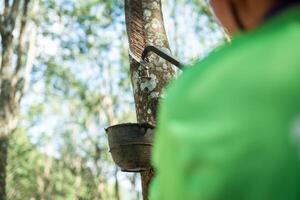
(276, 39)
(274, 43)
(272, 46)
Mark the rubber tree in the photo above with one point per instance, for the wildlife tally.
(145, 26)
(15, 68)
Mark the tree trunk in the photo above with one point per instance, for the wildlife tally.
(9, 79)
(132, 180)
(3, 162)
(78, 180)
(7, 109)
(117, 192)
(43, 179)
(145, 27)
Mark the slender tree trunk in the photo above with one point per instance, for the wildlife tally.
(7, 109)
(78, 180)
(9, 79)
(100, 189)
(43, 179)
(132, 180)
(145, 27)
(117, 192)
(3, 162)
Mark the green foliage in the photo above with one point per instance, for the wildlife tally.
(21, 172)
(35, 175)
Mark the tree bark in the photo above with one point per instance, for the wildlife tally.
(7, 109)
(43, 179)
(117, 192)
(9, 106)
(145, 26)
(3, 163)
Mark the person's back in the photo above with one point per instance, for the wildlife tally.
(229, 128)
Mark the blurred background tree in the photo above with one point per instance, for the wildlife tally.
(16, 18)
(79, 85)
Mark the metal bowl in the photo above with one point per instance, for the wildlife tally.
(131, 146)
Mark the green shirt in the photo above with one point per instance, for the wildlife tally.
(229, 128)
